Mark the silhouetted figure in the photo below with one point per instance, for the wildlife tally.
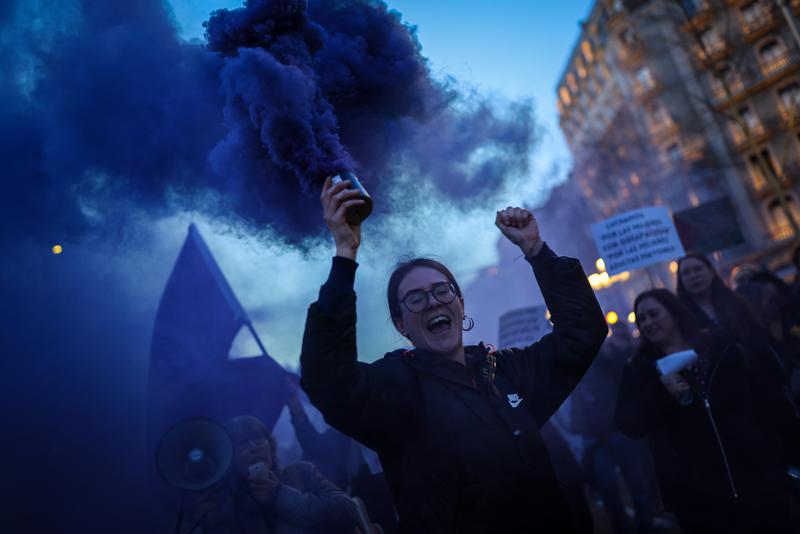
(713, 304)
(593, 404)
(770, 300)
(340, 460)
(570, 476)
(456, 428)
(721, 434)
(260, 498)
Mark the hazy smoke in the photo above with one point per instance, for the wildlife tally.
(106, 112)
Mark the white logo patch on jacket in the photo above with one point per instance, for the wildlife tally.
(514, 399)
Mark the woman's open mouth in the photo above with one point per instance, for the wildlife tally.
(439, 324)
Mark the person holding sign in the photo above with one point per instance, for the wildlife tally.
(721, 435)
(456, 427)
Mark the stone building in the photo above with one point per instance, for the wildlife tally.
(683, 102)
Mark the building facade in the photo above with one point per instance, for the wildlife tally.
(682, 102)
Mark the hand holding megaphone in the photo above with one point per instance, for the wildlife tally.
(668, 368)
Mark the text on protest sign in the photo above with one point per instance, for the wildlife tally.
(636, 239)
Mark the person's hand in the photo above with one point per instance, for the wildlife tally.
(263, 486)
(520, 227)
(336, 198)
(675, 384)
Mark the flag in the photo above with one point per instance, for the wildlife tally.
(190, 372)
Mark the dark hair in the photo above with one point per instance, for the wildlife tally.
(754, 287)
(243, 428)
(732, 311)
(402, 269)
(687, 324)
(766, 277)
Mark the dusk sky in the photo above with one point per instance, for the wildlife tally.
(507, 50)
(515, 49)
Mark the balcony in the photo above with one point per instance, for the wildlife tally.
(790, 117)
(779, 232)
(694, 148)
(775, 64)
(756, 26)
(712, 53)
(735, 85)
(702, 16)
(757, 131)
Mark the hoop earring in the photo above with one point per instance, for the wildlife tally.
(470, 323)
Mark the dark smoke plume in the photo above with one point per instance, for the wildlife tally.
(107, 112)
(108, 122)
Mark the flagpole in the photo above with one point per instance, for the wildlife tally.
(258, 339)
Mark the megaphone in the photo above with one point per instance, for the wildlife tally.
(194, 454)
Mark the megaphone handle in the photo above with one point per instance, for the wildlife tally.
(197, 523)
(179, 524)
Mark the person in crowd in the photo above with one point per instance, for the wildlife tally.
(261, 498)
(340, 460)
(569, 475)
(770, 300)
(741, 274)
(721, 433)
(606, 448)
(456, 428)
(713, 304)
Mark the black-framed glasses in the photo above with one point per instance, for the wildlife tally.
(416, 300)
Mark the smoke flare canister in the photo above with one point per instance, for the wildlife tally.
(356, 214)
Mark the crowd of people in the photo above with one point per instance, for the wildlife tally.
(723, 433)
(462, 433)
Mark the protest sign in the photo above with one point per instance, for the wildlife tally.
(636, 239)
(709, 227)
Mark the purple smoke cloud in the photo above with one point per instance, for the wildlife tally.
(108, 112)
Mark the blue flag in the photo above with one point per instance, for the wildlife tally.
(191, 374)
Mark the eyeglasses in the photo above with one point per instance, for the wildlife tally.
(416, 300)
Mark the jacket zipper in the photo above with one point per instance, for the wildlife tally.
(707, 405)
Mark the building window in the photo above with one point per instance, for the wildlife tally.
(773, 56)
(753, 125)
(779, 226)
(572, 82)
(731, 78)
(579, 67)
(754, 16)
(586, 48)
(758, 179)
(565, 96)
(644, 79)
(712, 40)
(789, 97)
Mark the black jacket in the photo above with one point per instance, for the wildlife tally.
(724, 457)
(457, 455)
